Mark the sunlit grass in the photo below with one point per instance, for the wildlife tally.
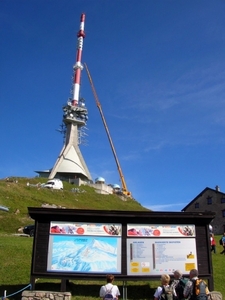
(17, 196)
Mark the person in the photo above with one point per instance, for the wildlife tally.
(188, 290)
(177, 275)
(179, 283)
(165, 281)
(114, 290)
(213, 243)
(210, 228)
(223, 244)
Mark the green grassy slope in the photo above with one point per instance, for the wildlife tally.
(17, 196)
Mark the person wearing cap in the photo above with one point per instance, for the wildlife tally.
(179, 284)
(177, 274)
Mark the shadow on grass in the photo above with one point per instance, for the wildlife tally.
(79, 291)
(13, 291)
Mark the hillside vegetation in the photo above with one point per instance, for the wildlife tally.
(17, 196)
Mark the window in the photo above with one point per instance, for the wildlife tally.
(223, 213)
(196, 205)
(223, 200)
(209, 200)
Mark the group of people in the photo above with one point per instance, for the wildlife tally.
(187, 291)
(213, 243)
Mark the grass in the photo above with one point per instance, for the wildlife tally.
(17, 196)
(15, 257)
(218, 268)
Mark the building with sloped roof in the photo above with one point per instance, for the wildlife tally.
(210, 200)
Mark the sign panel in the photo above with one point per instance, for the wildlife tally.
(84, 248)
(155, 256)
(155, 249)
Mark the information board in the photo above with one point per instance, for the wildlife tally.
(157, 249)
(96, 248)
(84, 248)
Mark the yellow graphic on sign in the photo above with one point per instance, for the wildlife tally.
(145, 270)
(190, 256)
(135, 267)
(189, 266)
(134, 270)
(145, 266)
(134, 264)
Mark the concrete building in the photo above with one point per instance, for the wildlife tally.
(210, 200)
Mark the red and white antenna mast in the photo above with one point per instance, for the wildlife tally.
(78, 67)
(70, 163)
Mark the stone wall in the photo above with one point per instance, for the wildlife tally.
(44, 295)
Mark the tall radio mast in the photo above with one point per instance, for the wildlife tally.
(70, 162)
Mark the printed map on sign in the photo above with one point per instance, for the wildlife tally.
(84, 248)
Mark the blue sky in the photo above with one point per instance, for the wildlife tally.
(159, 71)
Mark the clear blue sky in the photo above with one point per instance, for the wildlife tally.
(159, 72)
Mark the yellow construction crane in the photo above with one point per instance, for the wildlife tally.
(124, 186)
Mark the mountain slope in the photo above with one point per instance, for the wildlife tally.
(17, 196)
